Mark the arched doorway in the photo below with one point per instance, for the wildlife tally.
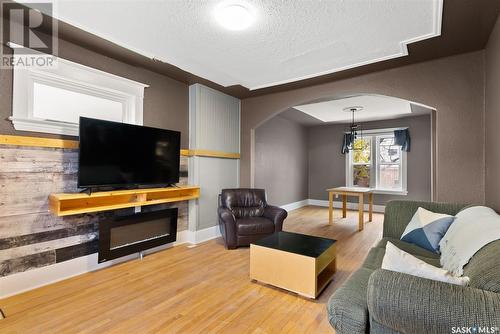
(277, 142)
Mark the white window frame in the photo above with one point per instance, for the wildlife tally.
(77, 78)
(374, 135)
(350, 165)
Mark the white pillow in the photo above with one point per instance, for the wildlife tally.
(397, 260)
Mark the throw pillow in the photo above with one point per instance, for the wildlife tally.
(397, 260)
(426, 229)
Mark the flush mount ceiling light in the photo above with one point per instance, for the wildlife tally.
(234, 15)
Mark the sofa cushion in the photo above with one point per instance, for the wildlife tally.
(483, 268)
(254, 225)
(409, 248)
(374, 258)
(347, 307)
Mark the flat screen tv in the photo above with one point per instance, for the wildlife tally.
(118, 155)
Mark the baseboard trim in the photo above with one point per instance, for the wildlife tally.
(28, 280)
(324, 203)
(350, 205)
(295, 205)
(196, 237)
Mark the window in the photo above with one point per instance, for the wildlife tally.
(377, 163)
(361, 162)
(52, 100)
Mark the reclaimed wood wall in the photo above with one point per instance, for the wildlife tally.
(30, 236)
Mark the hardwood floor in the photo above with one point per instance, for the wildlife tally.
(201, 289)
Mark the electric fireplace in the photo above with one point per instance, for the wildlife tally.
(124, 235)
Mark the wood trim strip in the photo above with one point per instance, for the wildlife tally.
(186, 153)
(48, 142)
(73, 144)
(215, 154)
(37, 142)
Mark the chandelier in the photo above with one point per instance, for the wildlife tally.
(354, 131)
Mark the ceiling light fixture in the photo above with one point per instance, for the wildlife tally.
(355, 131)
(234, 15)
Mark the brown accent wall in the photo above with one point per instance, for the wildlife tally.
(454, 86)
(166, 101)
(281, 164)
(492, 119)
(327, 163)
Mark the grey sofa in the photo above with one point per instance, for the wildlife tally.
(374, 300)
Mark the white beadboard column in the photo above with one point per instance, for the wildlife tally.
(214, 124)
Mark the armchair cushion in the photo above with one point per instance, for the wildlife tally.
(409, 304)
(254, 225)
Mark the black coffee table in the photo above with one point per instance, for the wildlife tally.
(296, 262)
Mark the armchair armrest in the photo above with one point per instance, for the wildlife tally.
(227, 224)
(226, 215)
(410, 304)
(277, 215)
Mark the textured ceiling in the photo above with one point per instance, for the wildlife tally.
(375, 107)
(291, 40)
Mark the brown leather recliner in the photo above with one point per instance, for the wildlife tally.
(245, 217)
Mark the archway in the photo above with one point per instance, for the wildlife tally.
(389, 119)
(453, 86)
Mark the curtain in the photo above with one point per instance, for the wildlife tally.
(347, 142)
(402, 138)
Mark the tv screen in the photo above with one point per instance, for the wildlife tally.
(115, 154)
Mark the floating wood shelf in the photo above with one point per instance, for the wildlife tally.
(72, 204)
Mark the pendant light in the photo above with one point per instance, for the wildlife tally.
(355, 131)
